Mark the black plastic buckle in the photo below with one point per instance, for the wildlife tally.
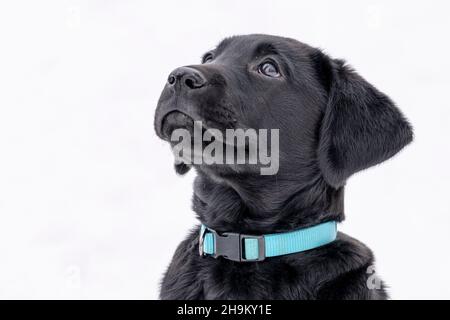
(231, 246)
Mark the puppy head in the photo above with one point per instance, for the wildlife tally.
(331, 121)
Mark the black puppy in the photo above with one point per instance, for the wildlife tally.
(332, 123)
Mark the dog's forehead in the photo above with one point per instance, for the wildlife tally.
(250, 45)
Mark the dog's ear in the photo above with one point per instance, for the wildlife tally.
(361, 126)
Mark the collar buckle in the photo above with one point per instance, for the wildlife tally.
(231, 246)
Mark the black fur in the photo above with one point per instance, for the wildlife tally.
(332, 124)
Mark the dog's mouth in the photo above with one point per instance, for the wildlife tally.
(194, 142)
(176, 120)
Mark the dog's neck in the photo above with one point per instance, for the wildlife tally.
(265, 204)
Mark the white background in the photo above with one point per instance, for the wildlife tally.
(90, 206)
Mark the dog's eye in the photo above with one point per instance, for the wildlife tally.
(269, 69)
(207, 58)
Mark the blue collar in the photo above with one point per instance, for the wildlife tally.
(247, 248)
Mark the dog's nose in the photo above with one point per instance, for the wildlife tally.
(186, 78)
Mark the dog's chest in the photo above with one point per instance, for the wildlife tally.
(268, 280)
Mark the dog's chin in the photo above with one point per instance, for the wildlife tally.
(182, 168)
(219, 172)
